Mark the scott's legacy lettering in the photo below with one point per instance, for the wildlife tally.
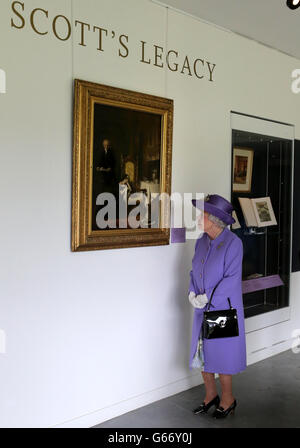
(187, 66)
(44, 23)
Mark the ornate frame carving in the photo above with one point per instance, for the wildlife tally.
(86, 94)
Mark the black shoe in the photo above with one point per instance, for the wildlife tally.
(203, 408)
(220, 412)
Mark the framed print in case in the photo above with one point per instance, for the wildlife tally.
(242, 169)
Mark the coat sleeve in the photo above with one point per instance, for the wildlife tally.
(231, 284)
(192, 284)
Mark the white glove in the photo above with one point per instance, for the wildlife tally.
(198, 301)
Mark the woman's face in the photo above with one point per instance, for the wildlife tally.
(204, 224)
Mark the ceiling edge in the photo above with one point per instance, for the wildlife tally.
(227, 30)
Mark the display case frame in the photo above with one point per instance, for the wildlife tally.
(266, 298)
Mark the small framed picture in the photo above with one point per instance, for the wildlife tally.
(258, 212)
(264, 212)
(242, 169)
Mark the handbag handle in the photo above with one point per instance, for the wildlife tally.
(211, 296)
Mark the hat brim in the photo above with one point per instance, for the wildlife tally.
(207, 207)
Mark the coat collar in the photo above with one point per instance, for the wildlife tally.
(219, 239)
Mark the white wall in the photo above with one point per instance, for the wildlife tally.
(92, 335)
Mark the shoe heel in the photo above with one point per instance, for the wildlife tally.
(233, 409)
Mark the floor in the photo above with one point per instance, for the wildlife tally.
(267, 394)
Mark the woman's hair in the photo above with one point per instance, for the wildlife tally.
(217, 221)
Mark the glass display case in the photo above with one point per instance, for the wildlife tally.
(261, 195)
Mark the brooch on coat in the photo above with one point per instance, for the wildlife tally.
(220, 245)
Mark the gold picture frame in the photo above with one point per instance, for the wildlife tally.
(242, 169)
(136, 130)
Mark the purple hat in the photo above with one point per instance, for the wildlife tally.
(217, 206)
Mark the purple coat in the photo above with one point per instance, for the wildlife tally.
(215, 260)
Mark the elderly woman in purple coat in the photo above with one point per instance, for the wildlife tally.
(217, 260)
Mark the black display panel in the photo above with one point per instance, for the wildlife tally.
(267, 249)
(296, 209)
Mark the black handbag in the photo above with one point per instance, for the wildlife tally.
(219, 323)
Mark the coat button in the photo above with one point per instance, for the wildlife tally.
(200, 275)
(202, 261)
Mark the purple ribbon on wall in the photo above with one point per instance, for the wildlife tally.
(178, 235)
